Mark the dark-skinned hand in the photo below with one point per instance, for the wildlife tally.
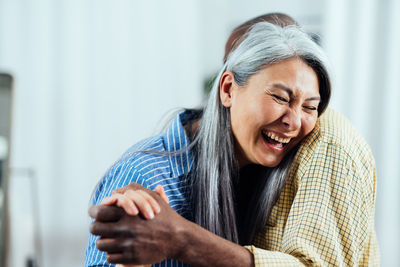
(133, 239)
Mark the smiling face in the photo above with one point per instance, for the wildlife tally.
(272, 112)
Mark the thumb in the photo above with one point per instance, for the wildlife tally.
(106, 213)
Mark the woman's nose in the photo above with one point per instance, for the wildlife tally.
(292, 119)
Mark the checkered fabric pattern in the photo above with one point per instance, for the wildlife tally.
(325, 213)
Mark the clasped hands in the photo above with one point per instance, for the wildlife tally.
(137, 226)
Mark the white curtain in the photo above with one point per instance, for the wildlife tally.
(362, 38)
(92, 78)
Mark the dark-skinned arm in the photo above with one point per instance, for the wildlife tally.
(204, 248)
(133, 240)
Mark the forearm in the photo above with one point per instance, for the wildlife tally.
(167, 236)
(203, 248)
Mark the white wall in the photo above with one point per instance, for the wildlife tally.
(93, 77)
(219, 18)
(363, 43)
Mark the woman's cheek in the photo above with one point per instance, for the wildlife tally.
(274, 111)
(309, 123)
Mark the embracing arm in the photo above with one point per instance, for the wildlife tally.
(134, 240)
(203, 248)
(325, 214)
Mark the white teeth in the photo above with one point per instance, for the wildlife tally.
(276, 138)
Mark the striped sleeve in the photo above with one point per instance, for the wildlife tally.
(118, 176)
(141, 166)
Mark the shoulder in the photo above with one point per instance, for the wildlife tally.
(335, 151)
(336, 129)
(330, 192)
(147, 155)
(138, 165)
(334, 136)
(338, 133)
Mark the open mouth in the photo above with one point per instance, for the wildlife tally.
(274, 141)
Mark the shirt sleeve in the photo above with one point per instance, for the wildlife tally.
(120, 175)
(331, 218)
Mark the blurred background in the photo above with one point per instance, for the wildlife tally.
(90, 78)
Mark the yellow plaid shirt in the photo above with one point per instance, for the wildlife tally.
(325, 213)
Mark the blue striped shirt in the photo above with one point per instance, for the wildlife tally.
(150, 170)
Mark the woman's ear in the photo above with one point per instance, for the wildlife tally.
(226, 86)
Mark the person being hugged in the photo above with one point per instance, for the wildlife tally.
(254, 178)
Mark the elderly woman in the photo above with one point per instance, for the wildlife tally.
(224, 168)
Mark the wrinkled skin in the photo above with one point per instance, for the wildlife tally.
(133, 239)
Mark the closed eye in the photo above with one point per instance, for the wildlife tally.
(280, 98)
(310, 107)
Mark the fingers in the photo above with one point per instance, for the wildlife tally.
(109, 245)
(105, 230)
(108, 201)
(150, 200)
(115, 252)
(105, 214)
(160, 191)
(134, 202)
(112, 247)
(115, 258)
(122, 201)
(132, 186)
(144, 202)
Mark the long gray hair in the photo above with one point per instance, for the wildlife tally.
(215, 175)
